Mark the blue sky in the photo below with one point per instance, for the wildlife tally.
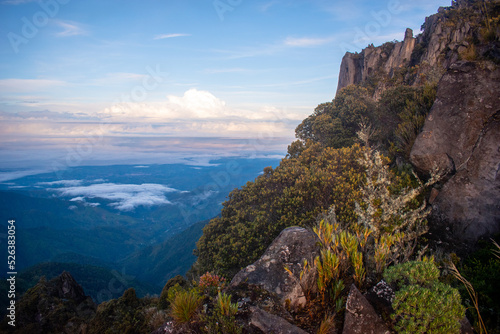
(150, 81)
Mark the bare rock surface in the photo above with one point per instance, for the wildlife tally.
(360, 316)
(289, 249)
(461, 136)
(269, 323)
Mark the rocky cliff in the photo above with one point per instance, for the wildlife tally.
(462, 31)
(462, 136)
(459, 49)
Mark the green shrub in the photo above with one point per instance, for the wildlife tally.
(482, 270)
(164, 300)
(422, 304)
(293, 194)
(223, 318)
(185, 306)
(411, 273)
(433, 309)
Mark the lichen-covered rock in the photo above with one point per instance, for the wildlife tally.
(360, 316)
(289, 249)
(461, 136)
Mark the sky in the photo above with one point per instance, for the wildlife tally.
(160, 81)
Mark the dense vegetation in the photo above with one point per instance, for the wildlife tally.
(322, 169)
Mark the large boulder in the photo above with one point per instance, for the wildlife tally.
(290, 249)
(461, 136)
(360, 316)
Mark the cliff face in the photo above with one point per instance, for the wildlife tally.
(461, 135)
(375, 61)
(459, 49)
(462, 31)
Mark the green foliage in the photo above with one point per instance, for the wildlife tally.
(433, 309)
(223, 318)
(185, 305)
(398, 117)
(412, 272)
(334, 124)
(58, 314)
(482, 270)
(294, 193)
(386, 230)
(390, 214)
(178, 282)
(127, 314)
(422, 304)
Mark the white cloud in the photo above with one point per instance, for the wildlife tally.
(201, 104)
(65, 183)
(307, 41)
(226, 70)
(28, 85)
(13, 175)
(170, 36)
(203, 197)
(124, 197)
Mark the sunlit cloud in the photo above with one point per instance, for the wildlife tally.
(142, 133)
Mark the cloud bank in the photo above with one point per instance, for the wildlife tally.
(192, 124)
(123, 197)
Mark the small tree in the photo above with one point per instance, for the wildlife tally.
(392, 218)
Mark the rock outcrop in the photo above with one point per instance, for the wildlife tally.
(360, 316)
(446, 38)
(461, 136)
(384, 60)
(289, 249)
(57, 306)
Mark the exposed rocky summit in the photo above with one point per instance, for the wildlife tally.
(386, 59)
(454, 33)
(461, 136)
